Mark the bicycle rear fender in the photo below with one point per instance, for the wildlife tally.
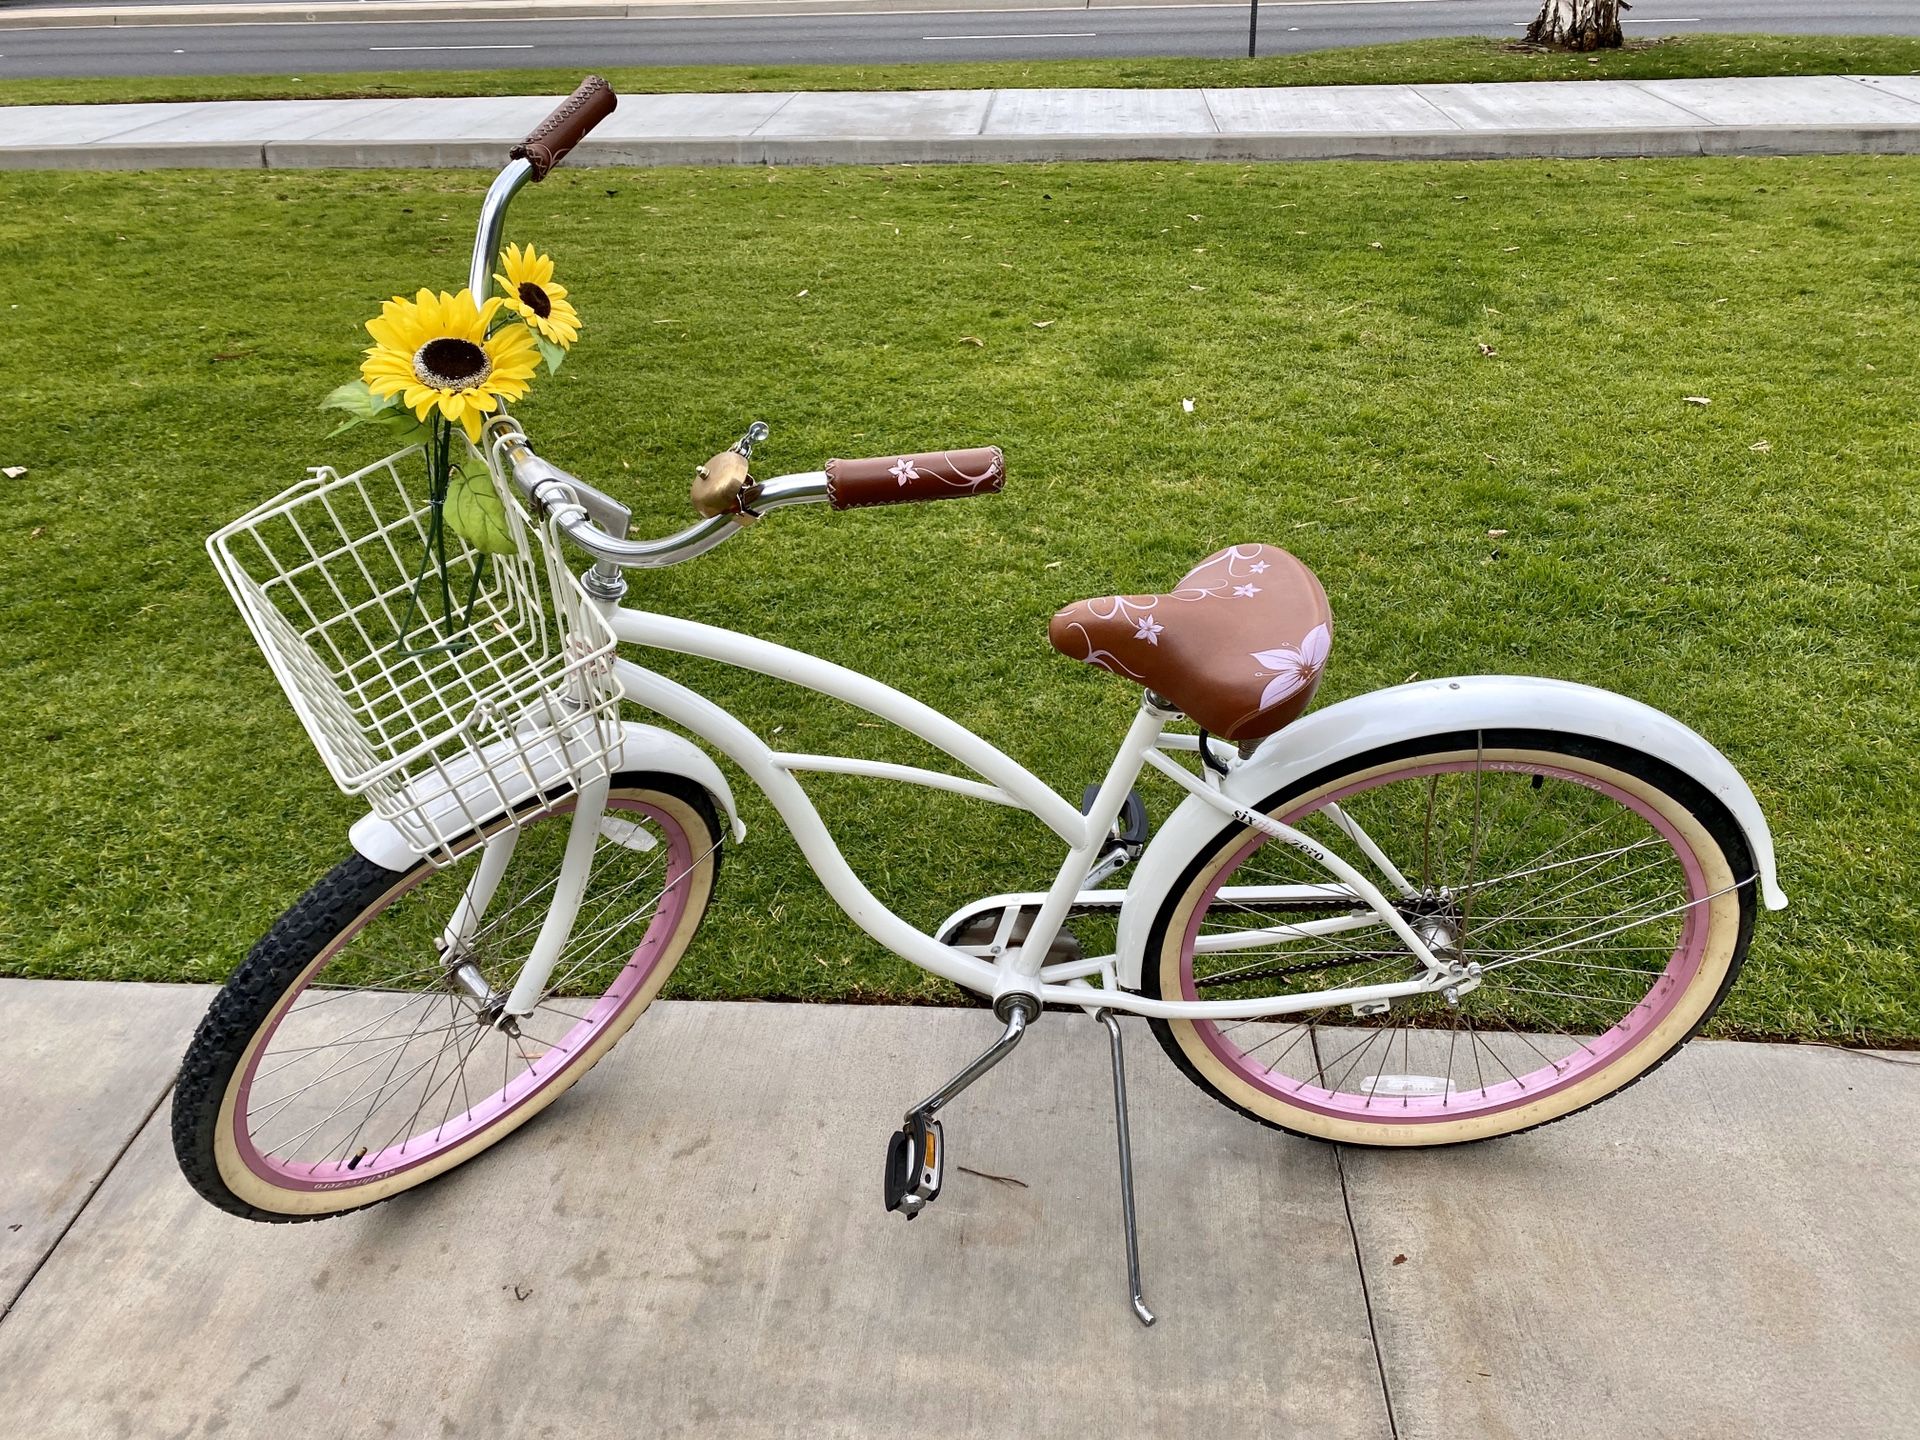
(642, 748)
(1432, 707)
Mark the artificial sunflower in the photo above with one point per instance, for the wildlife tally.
(435, 350)
(532, 295)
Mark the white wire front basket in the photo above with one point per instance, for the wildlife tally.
(448, 696)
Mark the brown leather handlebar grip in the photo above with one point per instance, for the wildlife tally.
(897, 479)
(567, 126)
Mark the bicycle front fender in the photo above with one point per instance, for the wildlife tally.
(1432, 707)
(642, 748)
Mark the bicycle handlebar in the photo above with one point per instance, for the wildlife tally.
(724, 493)
(545, 147)
(597, 523)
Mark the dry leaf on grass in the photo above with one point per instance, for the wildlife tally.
(973, 340)
(14, 472)
(1187, 405)
(1696, 400)
(1763, 447)
(1487, 350)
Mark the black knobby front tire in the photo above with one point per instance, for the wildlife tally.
(349, 897)
(308, 926)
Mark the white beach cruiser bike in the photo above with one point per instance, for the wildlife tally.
(1442, 912)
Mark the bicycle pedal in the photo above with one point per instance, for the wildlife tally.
(1130, 827)
(916, 1153)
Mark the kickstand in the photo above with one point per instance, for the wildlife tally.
(1105, 1017)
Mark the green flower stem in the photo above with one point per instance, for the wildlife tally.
(433, 559)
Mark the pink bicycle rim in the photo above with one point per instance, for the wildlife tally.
(1603, 1050)
(419, 1149)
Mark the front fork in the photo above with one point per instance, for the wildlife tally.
(576, 867)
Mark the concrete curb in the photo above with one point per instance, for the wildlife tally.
(988, 150)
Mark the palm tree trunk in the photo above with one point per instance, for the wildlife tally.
(1578, 24)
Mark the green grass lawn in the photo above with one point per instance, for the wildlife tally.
(1426, 62)
(1750, 566)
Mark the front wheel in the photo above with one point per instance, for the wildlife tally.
(1601, 901)
(355, 1054)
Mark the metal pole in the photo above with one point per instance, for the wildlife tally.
(1253, 26)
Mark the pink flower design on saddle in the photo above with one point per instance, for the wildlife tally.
(1244, 591)
(1294, 670)
(903, 471)
(1149, 629)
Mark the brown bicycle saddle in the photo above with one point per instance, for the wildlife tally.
(1239, 645)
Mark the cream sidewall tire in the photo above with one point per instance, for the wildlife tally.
(257, 1191)
(1723, 933)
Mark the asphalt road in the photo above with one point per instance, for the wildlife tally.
(740, 35)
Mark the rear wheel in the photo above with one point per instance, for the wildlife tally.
(1605, 899)
(349, 1058)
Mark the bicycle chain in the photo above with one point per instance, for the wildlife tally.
(1282, 972)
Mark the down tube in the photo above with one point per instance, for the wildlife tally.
(740, 745)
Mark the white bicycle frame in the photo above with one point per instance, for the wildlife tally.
(1009, 968)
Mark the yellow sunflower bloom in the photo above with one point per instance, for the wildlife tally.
(532, 295)
(435, 350)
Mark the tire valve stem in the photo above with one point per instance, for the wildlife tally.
(354, 1163)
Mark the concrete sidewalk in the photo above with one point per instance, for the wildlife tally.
(692, 1243)
(1830, 114)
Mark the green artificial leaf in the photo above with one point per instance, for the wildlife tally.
(408, 429)
(550, 352)
(360, 402)
(474, 512)
(362, 406)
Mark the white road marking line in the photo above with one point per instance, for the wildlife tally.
(447, 47)
(1035, 35)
